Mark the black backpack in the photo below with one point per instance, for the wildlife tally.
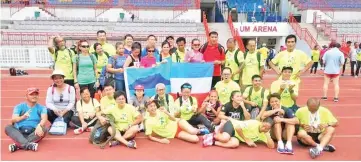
(96, 55)
(181, 101)
(251, 90)
(258, 58)
(56, 56)
(204, 47)
(100, 136)
(235, 56)
(156, 97)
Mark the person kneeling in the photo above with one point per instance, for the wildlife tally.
(161, 123)
(127, 119)
(285, 122)
(28, 123)
(248, 131)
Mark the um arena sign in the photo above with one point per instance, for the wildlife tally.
(263, 29)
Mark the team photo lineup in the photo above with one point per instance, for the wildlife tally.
(88, 95)
(180, 80)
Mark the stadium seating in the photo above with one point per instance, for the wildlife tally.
(71, 24)
(347, 26)
(335, 4)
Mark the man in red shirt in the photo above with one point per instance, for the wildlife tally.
(214, 52)
(346, 50)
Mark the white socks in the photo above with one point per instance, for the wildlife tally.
(289, 145)
(281, 145)
(319, 148)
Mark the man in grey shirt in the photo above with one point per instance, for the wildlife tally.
(333, 59)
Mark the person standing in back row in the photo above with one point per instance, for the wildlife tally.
(62, 58)
(102, 39)
(291, 58)
(333, 60)
(214, 52)
(346, 50)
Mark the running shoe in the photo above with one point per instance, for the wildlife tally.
(314, 152)
(13, 147)
(89, 129)
(280, 148)
(335, 99)
(329, 148)
(203, 131)
(78, 131)
(207, 140)
(114, 143)
(32, 146)
(324, 98)
(289, 151)
(132, 144)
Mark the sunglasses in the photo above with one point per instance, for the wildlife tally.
(196, 44)
(151, 50)
(61, 98)
(85, 46)
(187, 86)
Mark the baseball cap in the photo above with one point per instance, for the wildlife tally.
(57, 72)
(32, 90)
(139, 87)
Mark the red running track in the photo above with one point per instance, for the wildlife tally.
(71, 147)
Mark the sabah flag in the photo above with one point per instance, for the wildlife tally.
(199, 75)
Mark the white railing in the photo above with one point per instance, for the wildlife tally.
(25, 57)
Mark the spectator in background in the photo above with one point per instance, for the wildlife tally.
(315, 58)
(165, 54)
(27, 123)
(214, 52)
(85, 69)
(353, 58)
(194, 55)
(170, 40)
(358, 59)
(60, 98)
(133, 60)
(62, 58)
(322, 52)
(179, 54)
(128, 41)
(115, 66)
(151, 43)
(264, 51)
(102, 39)
(346, 50)
(333, 60)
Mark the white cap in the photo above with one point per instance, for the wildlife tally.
(57, 72)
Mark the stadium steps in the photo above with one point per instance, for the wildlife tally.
(320, 38)
(223, 30)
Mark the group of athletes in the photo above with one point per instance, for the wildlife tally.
(238, 109)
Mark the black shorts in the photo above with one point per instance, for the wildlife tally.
(314, 138)
(228, 128)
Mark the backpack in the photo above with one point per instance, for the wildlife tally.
(81, 102)
(251, 90)
(12, 71)
(96, 55)
(181, 101)
(53, 89)
(271, 54)
(100, 136)
(156, 97)
(77, 62)
(258, 58)
(56, 56)
(106, 77)
(204, 47)
(235, 56)
(177, 57)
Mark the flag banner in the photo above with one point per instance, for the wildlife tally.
(148, 77)
(199, 75)
(173, 75)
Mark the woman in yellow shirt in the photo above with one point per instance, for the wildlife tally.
(162, 124)
(187, 109)
(315, 58)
